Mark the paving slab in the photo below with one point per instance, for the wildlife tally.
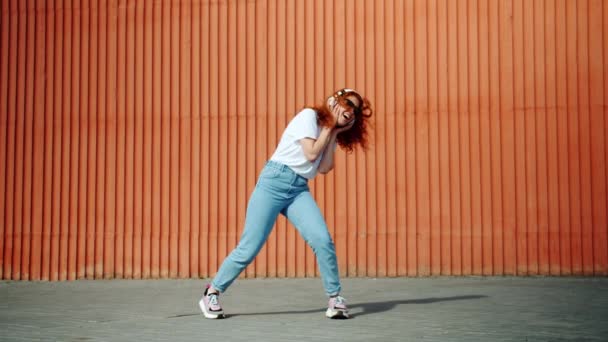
(383, 309)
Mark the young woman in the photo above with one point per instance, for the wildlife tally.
(307, 146)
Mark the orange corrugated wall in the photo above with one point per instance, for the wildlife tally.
(132, 133)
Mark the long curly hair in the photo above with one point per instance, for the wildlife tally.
(358, 134)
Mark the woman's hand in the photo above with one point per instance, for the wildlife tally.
(336, 110)
(337, 130)
(331, 103)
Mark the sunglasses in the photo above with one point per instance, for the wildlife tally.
(340, 95)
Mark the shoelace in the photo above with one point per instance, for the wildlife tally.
(340, 300)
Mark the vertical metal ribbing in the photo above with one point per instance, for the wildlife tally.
(132, 133)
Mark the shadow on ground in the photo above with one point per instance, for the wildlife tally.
(367, 308)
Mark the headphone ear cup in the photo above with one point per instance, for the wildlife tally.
(333, 102)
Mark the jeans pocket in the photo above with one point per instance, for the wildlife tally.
(270, 173)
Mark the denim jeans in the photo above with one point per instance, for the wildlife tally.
(280, 190)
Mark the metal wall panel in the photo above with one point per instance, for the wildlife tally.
(132, 132)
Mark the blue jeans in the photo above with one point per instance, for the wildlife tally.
(280, 190)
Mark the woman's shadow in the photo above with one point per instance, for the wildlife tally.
(378, 307)
(366, 308)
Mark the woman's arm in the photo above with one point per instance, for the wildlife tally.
(327, 162)
(325, 144)
(313, 148)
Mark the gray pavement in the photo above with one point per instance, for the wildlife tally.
(385, 309)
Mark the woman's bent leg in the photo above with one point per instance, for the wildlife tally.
(306, 216)
(262, 211)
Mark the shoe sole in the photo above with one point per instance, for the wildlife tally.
(336, 314)
(207, 314)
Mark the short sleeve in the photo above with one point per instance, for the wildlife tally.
(304, 125)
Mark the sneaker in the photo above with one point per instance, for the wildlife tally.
(210, 305)
(337, 308)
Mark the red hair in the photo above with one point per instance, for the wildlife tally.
(358, 134)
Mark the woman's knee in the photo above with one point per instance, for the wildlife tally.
(322, 242)
(243, 254)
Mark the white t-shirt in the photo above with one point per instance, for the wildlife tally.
(290, 152)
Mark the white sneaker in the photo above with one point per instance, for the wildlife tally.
(336, 308)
